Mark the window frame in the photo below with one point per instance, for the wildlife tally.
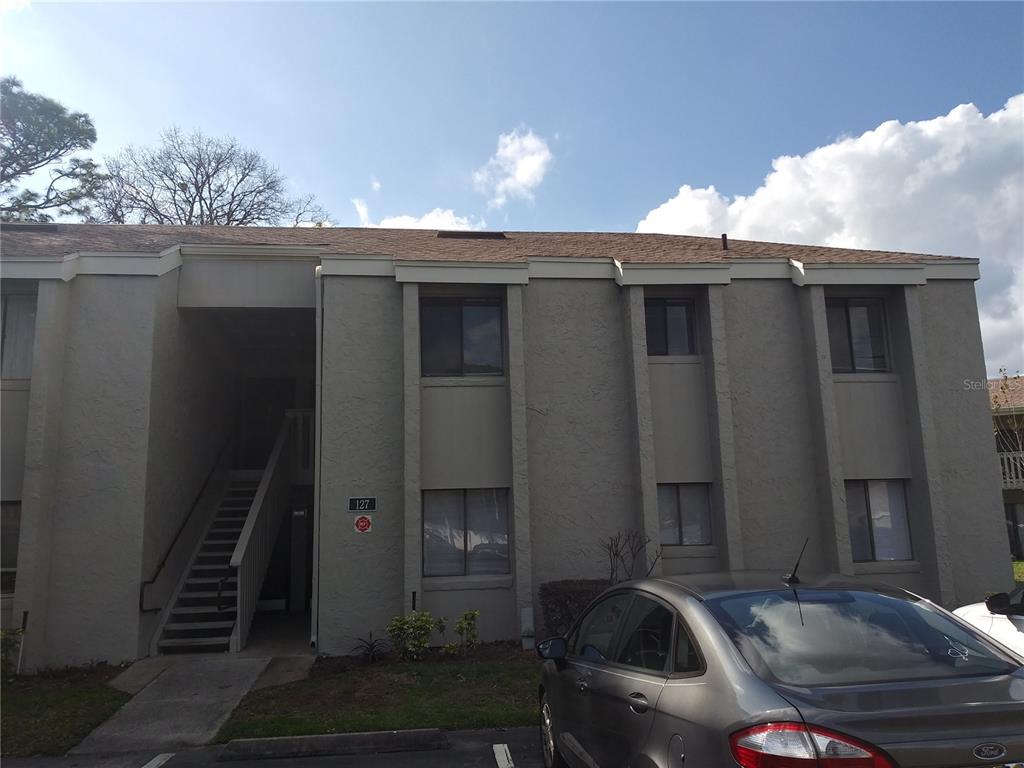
(31, 300)
(691, 310)
(845, 302)
(461, 302)
(866, 490)
(465, 537)
(679, 516)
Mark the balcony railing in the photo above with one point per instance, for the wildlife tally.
(1012, 464)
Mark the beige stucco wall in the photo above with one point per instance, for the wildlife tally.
(872, 426)
(583, 479)
(776, 468)
(679, 406)
(360, 575)
(970, 476)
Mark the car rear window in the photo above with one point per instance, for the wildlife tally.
(811, 637)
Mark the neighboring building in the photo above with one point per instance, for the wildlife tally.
(196, 420)
(1007, 395)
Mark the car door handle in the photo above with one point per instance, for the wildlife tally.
(582, 685)
(638, 703)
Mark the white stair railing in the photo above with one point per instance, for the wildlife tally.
(1012, 464)
(256, 543)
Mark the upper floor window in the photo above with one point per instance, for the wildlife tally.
(670, 327)
(856, 335)
(461, 337)
(877, 513)
(18, 313)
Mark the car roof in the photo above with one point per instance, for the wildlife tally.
(704, 586)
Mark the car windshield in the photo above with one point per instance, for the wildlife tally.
(812, 637)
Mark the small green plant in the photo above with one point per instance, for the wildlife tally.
(410, 634)
(10, 642)
(450, 649)
(465, 628)
(370, 648)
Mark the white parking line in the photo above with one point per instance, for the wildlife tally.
(502, 756)
(159, 760)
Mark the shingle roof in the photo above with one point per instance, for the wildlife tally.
(28, 241)
(1009, 395)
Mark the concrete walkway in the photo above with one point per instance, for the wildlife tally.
(185, 705)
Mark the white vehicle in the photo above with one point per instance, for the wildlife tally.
(1001, 616)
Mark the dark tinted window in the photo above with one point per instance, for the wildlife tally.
(596, 633)
(670, 328)
(647, 636)
(836, 637)
(856, 334)
(460, 337)
(687, 658)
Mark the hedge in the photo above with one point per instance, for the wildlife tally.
(562, 601)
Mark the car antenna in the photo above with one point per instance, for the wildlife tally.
(792, 578)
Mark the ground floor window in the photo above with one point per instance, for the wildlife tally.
(465, 532)
(879, 527)
(10, 528)
(684, 510)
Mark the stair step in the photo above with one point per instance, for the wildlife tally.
(229, 524)
(212, 594)
(218, 546)
(213, 627)
(218, 534)
(197, 643)
(193, 612)
(205, 585)
(208, 570)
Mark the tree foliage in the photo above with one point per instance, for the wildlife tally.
(194, 179)
(40, 136)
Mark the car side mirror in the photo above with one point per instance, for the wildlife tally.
(552, 648)
(998, 603)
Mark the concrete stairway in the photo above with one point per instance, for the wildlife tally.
(205, 607)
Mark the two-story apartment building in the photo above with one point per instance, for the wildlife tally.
(349, 423)
(1007, 396)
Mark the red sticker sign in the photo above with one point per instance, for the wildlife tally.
(363, 524)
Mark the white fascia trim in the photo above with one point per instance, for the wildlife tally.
(560, 267)
(94, 263)
(760, 269)
(462, 272)
(967, 269)
(256, 251)
(674, 274)
(359, 265)
(857, 274)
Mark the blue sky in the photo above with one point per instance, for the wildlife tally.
(630, 101)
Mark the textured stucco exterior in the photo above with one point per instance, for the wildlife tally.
(136, 379)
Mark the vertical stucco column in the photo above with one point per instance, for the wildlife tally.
(926, 496)
(413, 497)
(720, 400)
(520, 464)
(39, 492)
(314, 601)
(636, 338)
(831, 479)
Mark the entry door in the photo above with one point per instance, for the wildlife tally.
(264, 402)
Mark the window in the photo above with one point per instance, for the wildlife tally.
(465, 532)
(596, 633)
(10, 528)
(685, 513)
(670, 327)
(461, 337)
(19, 326)
(856, 335)
(647, 634)
(687, 658)
(877, 511)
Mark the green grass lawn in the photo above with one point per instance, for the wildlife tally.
(392, 695)
(1018, 570)
(49, 713)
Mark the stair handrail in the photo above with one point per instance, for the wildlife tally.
(181, 529)
(251, 555)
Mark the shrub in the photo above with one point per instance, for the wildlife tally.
(370, 648)
(410, 634)
(465, 628)
(562, 601)
(10, 641)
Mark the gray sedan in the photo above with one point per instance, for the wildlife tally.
(746, 669)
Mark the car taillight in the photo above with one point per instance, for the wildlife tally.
(795, 745)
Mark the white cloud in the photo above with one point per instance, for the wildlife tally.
(13, 6)
(516, 169)
(375, 184)
(439, 218)
(950, 185)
